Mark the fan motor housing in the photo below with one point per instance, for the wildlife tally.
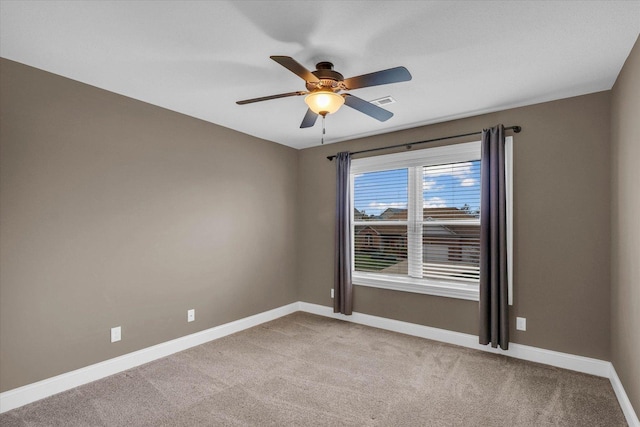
(329, 79)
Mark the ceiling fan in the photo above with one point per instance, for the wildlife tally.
(324, 86)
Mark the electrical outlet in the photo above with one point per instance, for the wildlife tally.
(191, 315)
(332, 293)
(116, 334)
(521, 323)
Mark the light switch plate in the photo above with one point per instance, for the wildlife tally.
(521, 323)
(116, 334)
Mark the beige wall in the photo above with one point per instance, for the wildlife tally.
(116, 212)
(625, 228)
(561, 228)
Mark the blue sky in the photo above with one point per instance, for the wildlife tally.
(449, 185)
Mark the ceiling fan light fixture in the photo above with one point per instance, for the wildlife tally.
(324, 102)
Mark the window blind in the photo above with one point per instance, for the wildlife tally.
(421, 221)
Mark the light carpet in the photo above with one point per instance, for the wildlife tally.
(306, 370)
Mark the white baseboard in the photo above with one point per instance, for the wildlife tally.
(587, 365)
(39, 390)
(623, 399)
(572, 362)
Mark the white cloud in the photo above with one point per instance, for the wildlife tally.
(458, 170)
(435, 202)
(428, 185)
(382, 206)
(468, 182)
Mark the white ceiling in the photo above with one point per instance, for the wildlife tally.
(199, 57)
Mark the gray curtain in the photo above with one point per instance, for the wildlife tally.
(494, 304)
(343, 288)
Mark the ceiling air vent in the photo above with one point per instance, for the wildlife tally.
(381, 102)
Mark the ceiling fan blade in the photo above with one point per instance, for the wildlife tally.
(367, 108)
(392, 75)
(295, 67)
(266, 98)
(309, 119)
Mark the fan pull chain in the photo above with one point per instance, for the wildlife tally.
(323, 130)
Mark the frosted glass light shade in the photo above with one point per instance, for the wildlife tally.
(324, 102)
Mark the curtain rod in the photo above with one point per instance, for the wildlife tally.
(516, 129)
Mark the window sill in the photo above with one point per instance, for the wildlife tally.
(419, 286)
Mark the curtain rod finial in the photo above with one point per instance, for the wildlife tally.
(517, 129)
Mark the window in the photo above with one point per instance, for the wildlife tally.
(416, 220)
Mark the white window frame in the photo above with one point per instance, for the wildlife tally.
(426, 157)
